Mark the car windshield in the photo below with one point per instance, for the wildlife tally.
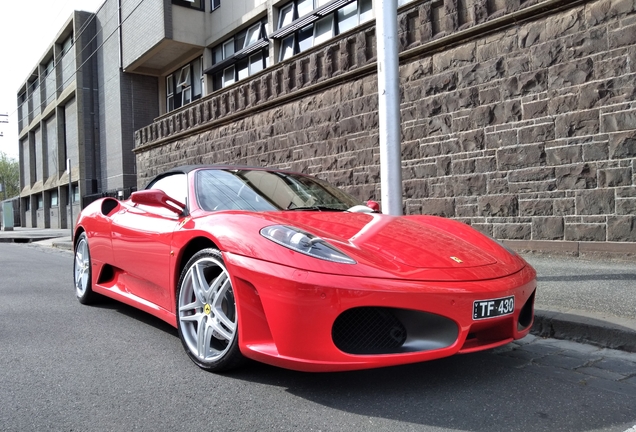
(260, 190)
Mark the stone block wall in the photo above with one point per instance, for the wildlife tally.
(519, 120)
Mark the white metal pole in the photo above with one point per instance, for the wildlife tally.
(389, 107)
(70, 194)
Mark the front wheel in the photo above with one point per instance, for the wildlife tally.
(82, 271)
(206, 313)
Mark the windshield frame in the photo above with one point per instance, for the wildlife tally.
(290, 190)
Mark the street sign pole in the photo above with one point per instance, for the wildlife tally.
(389, 107)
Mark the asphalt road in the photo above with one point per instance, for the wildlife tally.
(68, 367)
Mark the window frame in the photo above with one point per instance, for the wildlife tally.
(229, 42)
(250, 62)
(225, 84)
(292, 7)
(66, 45)
(257, 32)
(185, 84)
(281, 53)
(214, 5)
(181, 88)
(190, 4)
(323, 11)
(238, 52)
(170, 93)
(332, 30)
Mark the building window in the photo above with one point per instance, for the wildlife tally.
(39, 202)
(214, 4)
(240, 56)
(192, 4)
(286, 15)
(228, 76)
(54, 201)
(185, 85)
(27, 204)
(169, 93)
(228, 48)
(49, 67)
(256, 63)
(33, 86)
(67, 44)
(76, 194)
(321, 24)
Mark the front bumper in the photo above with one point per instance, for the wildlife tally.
(286, 316)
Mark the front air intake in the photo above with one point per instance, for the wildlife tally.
(368, 330)
(383, 330)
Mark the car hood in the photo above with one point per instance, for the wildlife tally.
(394, 238)
(406, 244)
(422, 248)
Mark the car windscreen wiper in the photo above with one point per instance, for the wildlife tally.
(316, 208)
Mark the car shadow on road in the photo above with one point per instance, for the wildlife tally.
(475, 392)
(136, 314)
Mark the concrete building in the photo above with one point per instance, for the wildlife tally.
(77, 107)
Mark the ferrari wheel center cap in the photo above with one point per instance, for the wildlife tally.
(207, 309)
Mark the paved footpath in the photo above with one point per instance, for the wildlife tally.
(592, 301)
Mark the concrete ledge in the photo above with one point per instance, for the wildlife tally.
(583, 329)
(65, 245)
(613, 250)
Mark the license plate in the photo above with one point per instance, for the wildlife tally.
(483, 309)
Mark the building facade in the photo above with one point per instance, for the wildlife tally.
(517, 117)
(76, 118)
(108, 74)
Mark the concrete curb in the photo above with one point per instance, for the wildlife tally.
(65, 245)
(578, 328)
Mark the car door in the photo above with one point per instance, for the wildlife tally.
(142, 237)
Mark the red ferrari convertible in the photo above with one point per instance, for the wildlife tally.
(286, 269)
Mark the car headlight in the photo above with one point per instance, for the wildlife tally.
(305, 243)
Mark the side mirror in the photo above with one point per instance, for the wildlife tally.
(373, 206)
(157, 198)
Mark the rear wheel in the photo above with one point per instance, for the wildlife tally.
(82, 271)
(206, 313)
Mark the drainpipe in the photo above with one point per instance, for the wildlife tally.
(121, 61)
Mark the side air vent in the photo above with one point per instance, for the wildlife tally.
(526, 316)
(108, 205)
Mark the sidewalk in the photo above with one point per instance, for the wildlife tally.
(589, 301)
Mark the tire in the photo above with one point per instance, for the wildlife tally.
(207, 319)
(82, 272)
